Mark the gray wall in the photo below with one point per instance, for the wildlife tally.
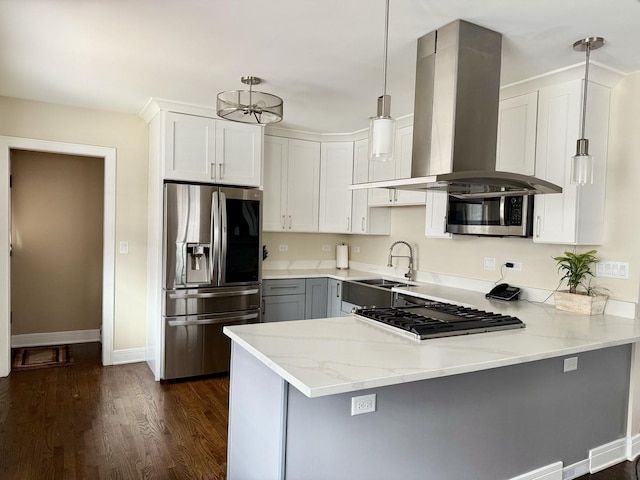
(487, 425)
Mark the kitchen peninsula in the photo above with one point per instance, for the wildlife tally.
(483, 406)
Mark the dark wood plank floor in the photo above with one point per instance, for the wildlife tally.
(90, 422)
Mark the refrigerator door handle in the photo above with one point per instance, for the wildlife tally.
(178, 296)
(215, 237)
(222, 277)
(212, 321)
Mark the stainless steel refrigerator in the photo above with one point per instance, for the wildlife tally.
(212, 273)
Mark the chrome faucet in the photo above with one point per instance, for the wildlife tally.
(409, 273)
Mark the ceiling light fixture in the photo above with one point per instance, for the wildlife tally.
(247, 106)
(382, 127)
(582, 162)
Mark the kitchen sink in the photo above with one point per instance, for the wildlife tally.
(383, 283)
(368, 293)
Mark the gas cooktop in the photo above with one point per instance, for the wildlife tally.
(437, 319)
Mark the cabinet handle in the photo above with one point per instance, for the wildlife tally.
(362, 227)
(290, 222)
(395, 194)
(283, 222)
(221, 171)
(264, 308)
(538, 219)
(338, 290)
(279, 287)
(213, 171)
(390, 196)
(348, 223)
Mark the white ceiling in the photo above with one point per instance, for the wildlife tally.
(323, 57)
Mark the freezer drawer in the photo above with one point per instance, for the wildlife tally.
(195, 344)
(197, 301)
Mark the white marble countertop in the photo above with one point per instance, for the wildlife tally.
(336, 355)
(335, 273)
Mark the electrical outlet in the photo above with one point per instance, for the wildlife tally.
(356, 249)
(489, 263)
(516, 266)
(570, 364)
(284, 248)
(363, 404)
(326, 248)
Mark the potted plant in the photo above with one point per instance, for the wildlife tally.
(581, 297)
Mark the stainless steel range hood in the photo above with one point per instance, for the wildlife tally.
(456, 118)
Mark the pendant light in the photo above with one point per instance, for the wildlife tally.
(582, 162)
(248, 106)
(382, 126)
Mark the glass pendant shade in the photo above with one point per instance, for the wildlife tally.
(582, 164)
(582, 169)
(248, 106)
(381, 138)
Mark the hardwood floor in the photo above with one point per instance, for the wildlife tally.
(89, 422)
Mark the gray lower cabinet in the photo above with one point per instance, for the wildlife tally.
(294, 299)
(315, 298)
(334, 299)
(283, 307)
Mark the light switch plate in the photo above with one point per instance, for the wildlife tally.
(124, 247)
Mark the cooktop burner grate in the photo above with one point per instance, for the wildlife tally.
(437, 319)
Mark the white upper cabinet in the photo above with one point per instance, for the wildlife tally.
(291, 185)
(516, 150)
(575, 216)
(436, 215)
(399, 167)
(336, 174)
(190, 152)
(366, 220)
(201, 149)
(238, 153)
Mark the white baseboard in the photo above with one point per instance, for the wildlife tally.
(575, 470)
(549, 472)
(607, 455)
(130, 355)
(633, 447)
(55, 338)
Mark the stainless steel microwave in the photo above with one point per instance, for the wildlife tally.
(493, 216)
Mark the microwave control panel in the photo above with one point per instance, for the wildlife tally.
(514, 210)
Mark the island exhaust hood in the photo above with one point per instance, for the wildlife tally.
(456, 118)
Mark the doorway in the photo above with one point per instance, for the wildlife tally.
(56, 248)
(7, 144)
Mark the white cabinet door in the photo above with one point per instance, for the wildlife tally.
(238, 153)
(274, 199)
(403, 152)
(189, 148)
(381, 171)
(366, 220)
(303, 186)
(336, 173)
(291, 185)
(575, 216)
(399, 167)
(436, 215)
(360, 205)
(517, 119)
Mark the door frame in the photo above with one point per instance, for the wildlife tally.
(108, 268)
